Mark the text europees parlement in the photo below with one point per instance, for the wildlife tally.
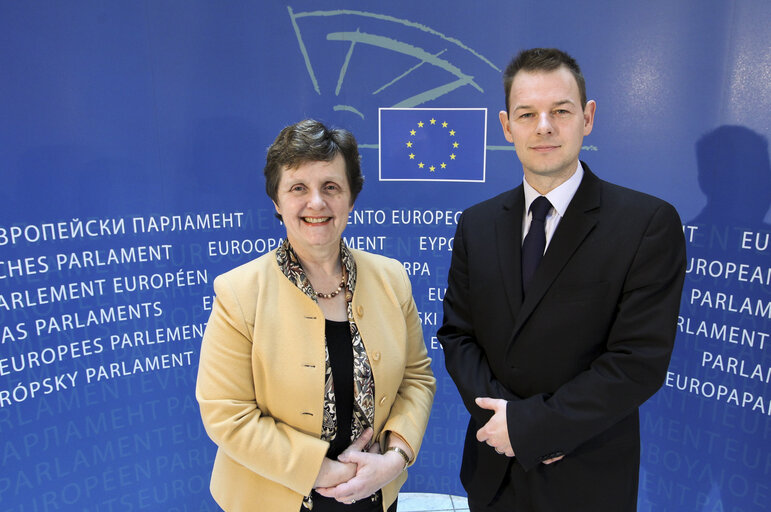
(84, 348)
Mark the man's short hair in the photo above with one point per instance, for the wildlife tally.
(311, 141)
(543, 59)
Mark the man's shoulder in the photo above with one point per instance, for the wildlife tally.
(627, 199)
(624, 211)
(616, 199)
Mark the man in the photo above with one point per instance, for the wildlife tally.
(559, 321)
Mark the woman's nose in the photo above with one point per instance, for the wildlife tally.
(316, 200)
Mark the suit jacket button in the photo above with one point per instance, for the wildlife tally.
(360, 311)
(382, 400)
(376, 356)
(552, 455)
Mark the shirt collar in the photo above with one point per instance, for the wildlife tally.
(560, 197)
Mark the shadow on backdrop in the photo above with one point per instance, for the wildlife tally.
(704, 453)
(735, 175)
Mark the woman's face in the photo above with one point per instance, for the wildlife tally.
(314, 201)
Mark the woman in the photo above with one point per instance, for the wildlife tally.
(314, 380)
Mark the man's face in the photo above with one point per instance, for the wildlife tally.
(546, 124)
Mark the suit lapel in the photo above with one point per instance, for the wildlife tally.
(508, 237)
(579, 220)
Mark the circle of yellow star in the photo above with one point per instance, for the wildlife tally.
(411, 144)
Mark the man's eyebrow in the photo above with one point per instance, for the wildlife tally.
(555, 104)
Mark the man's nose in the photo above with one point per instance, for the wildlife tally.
(544, 124)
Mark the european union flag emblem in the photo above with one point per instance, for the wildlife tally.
(432, 144)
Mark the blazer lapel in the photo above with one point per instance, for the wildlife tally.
(579, 220)
(508, 239)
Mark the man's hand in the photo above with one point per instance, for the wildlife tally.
(495, 432)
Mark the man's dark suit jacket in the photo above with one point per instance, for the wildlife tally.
(575, 358)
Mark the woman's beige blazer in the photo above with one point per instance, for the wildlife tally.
(261, 378)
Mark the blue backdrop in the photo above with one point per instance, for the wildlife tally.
(132, 139)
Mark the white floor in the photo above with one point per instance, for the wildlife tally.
(424, 502)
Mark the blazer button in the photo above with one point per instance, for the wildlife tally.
(376, 356)
(382, 400)
(552, 455)
(360, 311)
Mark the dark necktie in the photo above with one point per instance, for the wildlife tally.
(535, 241)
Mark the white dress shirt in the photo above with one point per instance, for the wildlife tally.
(559, 198)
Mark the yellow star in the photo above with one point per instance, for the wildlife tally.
(444, 165)
(455, 144)
(444, 124)
(409, 144)
(452, 132)
(420, 124)
(433, 121)
(432, 168)
(421, 165)
(412, 156)
(452, 156)
(412, 132)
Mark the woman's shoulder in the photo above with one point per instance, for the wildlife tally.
(376, 262)
(251, 272)
(377, 271)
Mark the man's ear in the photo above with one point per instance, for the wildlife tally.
(503, 116)
(589, 110)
